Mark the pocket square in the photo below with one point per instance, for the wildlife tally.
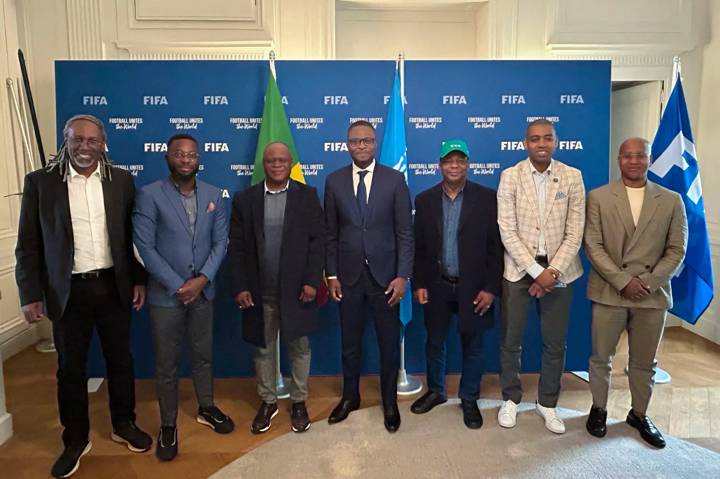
(211, 207)
(560, 195)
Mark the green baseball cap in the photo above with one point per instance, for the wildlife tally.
(454, 145)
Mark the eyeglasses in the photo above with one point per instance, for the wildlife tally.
(634, 156)
(179, 155)
(90, 142)
(358, 141)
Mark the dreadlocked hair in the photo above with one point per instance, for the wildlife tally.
(61, 160)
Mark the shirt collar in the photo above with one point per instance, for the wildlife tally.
(283, 190)
(177, 187)
(370, 168)
(442, 185)
(74, 173)
(536, 172)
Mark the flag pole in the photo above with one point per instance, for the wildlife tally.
(281, 391)
(407, 384)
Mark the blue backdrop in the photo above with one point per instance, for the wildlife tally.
(487, 103)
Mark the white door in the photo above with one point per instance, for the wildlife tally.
(635, 112)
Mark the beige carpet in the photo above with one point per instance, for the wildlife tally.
(438, 445)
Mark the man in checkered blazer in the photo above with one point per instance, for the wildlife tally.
(541, 214)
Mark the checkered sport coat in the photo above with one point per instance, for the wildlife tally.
(563, 222)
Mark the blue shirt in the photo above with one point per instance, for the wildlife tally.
(451, 221)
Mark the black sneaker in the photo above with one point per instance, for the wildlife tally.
(215, 419)
(69, 460)
(299, 417)
(136, 439)
(167, 444)
(263, 418)
(647, 429)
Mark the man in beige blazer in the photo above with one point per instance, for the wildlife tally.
(541, 214)
(635, 238)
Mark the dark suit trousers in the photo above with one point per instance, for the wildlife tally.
(439, 310)
(356, 300)
(93, 304)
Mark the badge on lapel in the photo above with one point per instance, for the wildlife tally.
(211, 207)
(560, 195)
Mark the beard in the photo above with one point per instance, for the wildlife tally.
(178, 176)
(84, 158)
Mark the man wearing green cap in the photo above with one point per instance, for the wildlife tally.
(458, 271)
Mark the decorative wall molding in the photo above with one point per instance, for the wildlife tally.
(193, 15)
(84, 29)
(197, 50)
(593, 24)
(503, 31)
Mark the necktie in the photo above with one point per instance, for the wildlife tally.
(362, 194)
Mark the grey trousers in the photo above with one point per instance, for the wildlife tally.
(266, 358)
(554, 311)
(645, 328)
(170, 326)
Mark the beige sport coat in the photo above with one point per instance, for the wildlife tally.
(563, 221)
(618, 250)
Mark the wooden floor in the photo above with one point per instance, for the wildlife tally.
(689, 407)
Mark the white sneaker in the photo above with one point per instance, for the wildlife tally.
(553, 422)
(507, 415)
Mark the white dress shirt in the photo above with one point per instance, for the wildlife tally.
(368, 178)
(540, 180)
(89, 226)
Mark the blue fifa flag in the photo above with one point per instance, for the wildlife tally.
(394, 155)
(675, 167)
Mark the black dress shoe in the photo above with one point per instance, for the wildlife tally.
(392, 418)
(596, 422)
(343, 410)
(471, 414)
(428, 401)
(647, 429)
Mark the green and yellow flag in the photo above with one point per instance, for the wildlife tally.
(275, 127)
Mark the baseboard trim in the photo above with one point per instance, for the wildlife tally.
(6, 427)
(18, 343)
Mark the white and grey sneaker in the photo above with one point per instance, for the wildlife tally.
(507, 416)
(553, 422)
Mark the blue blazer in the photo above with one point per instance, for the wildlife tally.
(387, 230)
(171, 253)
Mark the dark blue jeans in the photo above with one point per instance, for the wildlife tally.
(439, 311)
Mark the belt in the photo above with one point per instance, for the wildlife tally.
(451, 279)
(94, 274)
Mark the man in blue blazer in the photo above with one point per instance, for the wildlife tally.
(370, 251)
(181, 230)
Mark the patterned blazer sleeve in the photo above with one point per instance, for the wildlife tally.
(508, 220)
(574, 223)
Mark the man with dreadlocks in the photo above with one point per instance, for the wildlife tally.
(75, 263)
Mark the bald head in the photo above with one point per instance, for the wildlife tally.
(634, 161)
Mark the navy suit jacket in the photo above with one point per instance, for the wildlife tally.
(171, 253)
(387, 230)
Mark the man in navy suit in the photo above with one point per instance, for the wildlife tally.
(370, 252)
(181, 232)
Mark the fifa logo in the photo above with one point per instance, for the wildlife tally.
(155, 147)
(215, 100)
(454, 100)
(155, 100)
(335, 146)
(576, 99)
(335, 100)
(94, 100)
(216, 147)
(512, 99)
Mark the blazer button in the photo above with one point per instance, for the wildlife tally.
(647, 266)
(624, 266)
